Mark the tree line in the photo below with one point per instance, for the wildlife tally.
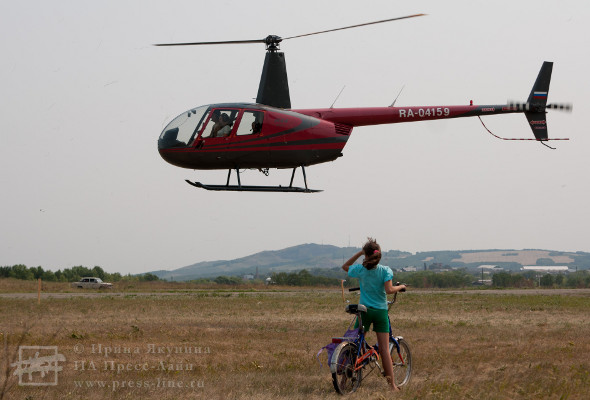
(319, 277)
(299, 278)
(420, 279)
(441, 280)
(579, 279)
(73, 274)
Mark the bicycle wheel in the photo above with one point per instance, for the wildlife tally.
(344, 378)
(402, 371)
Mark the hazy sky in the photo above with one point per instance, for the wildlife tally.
(84, 97)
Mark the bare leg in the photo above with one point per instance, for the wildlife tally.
(383, 340)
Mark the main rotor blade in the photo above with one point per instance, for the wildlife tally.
(204, 43)
(356, 26)
(272, 40)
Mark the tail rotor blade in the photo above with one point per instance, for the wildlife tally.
(567, 107)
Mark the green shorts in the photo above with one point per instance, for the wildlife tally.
(379, 318)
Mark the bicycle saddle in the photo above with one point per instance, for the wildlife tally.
(355, 308)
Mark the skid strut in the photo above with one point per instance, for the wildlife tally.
(244, 188)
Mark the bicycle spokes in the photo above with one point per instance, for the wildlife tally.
(344, 376)
(402, 369)
(401, 359)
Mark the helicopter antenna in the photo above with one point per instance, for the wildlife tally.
(400, 92)
(341, 90)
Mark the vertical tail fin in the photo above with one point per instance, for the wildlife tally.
(538, 97)
(538, 123)
(537, 102)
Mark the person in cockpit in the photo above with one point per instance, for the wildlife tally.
(225, 125)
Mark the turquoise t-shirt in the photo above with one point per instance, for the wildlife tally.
(372, 290)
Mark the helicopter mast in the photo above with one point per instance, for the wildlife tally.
(274, 86)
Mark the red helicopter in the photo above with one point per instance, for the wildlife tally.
(269, 134)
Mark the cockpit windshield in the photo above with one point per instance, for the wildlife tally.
(182, 130)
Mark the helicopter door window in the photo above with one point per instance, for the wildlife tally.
(220, 123)
(251, 123)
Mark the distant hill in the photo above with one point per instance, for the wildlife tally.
(316, 256)
(289, 259)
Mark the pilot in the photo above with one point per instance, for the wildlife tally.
(225, 126)
(257, 124)
(216, 123)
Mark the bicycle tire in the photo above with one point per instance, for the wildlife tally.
(344, 378)
(402, 372)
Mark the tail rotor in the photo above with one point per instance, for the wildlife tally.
(567, 107)
(536, 106)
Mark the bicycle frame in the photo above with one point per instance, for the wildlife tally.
(364, 355)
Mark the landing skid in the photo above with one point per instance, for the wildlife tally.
(243, 188)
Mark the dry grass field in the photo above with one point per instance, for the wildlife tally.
(9, 285)
(260, 344)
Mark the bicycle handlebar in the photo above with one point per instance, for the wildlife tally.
(405, 284)
(358, 288)
(354, 289)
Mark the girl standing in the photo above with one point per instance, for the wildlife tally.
(375, 282)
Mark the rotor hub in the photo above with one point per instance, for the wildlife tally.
(272, 42)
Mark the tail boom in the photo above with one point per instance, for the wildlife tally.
(534, 110)
(391, 115)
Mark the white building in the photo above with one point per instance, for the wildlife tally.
(493, 268)
(546, 268)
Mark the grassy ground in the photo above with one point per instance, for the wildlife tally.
(263, 345)
(10, 285)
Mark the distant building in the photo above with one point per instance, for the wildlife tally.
(248, 277)
(546, 268)
(409, 269)
(492, 267)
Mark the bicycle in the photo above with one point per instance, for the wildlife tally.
(354, 354)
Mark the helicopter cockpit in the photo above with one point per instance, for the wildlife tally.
(219, 122)
(182, 130)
